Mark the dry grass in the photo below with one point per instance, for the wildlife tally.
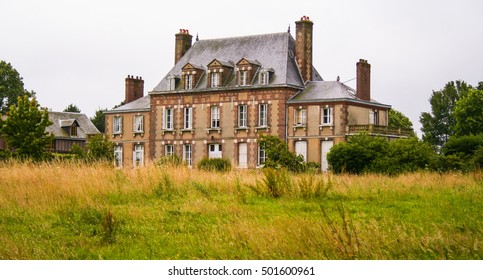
(78, 211)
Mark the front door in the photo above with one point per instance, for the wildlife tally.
(325, 148)
(214, 151)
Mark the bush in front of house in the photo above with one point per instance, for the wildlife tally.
(214, 164)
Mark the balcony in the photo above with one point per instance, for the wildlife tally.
(379, 130)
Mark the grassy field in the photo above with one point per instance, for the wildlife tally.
(74, 211)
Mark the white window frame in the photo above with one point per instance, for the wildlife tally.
(117, 125)
(373, 118)
(264, 78)
(243, 155)
(215, 154)
(243, 77)
(138, 124)
(169, 150)
(215, 117)
(188, 82)
(138, 153)
(300, 117)
(215, 79)
(168, 118)
(118, 156)
(327, 116)
(188, 118)
(242, 115)
(261, 156)
(172, 83)
(187, 154)
(263, 115)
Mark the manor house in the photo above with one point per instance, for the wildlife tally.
(221, 95)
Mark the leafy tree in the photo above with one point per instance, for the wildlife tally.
(398, 119)
(468, 113)
(72, 108)
(439, 125)
(279, 156)
(24, 129)
(11, 87)
(99, 148)
(99, 120)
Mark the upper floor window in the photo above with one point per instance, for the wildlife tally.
(188, 81)
(215, 79)
(373, 117)
(138, 124)
(215, 117)
(243, 78)
(264, 78)
(327, 116)
(300, 117)
(168, 119)
(263, 115)
(172, 82)
(188, 118)
(242, 116)
(73, 130)
(117, 125)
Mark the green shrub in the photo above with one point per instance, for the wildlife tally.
(173, 160)
(214, 164)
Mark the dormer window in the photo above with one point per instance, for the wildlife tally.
(191, 74)
(73, 130)
(265, 76)
(188, 81)
(173, 82)
(246, 71)
(218, 72)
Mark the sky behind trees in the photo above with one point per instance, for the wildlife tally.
(80, 52)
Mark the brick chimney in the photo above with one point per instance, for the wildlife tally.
(182, 44)
(363, 90)
(134, 88)
(303, 46)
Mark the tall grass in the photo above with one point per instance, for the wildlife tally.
(79, 211)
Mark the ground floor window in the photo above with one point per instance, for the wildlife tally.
(138, 155)
(118, 156)
(187, 154)
(214, 151)
(262, 156)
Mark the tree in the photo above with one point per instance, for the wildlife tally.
(72, 108)
(399, 120)
(99, 148)
(24, 129)
(99, 120)
(468, 113)
(11, 87)
(439, 125)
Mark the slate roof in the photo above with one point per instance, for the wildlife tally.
(139, 105)
(329, 91)
(59, 119)
(275, 51)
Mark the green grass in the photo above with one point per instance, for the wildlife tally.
(95, 212)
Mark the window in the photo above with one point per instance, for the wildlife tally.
(242, 155)
(117, 125)
(301, 149)
(373, 118)
(187, 152)
(168, 119)
(214, 151)
(169, 150)
(138, 155)
(262, 156)
(172, 83)
(264, 78)
(215, 117)
(118, 156)
(188, 81)
(327, 116)
(263, 115)
(73, 130)
(188, 118)
(138, 124)
(215, 79)
(243, 78)
(242, 116)
(300, 117)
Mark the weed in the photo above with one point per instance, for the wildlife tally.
(109, 227)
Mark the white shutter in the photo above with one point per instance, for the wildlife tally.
(242, 155)
(301, 149)
(325, 148)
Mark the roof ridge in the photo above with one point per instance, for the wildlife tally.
(244, 36)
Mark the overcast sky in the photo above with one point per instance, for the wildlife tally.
(81, 51)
